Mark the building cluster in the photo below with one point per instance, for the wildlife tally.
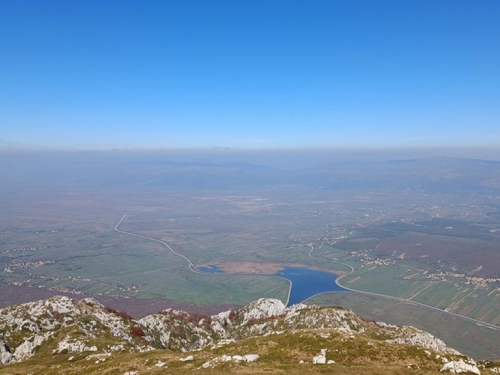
(64, 290)
(20, 283)
(26, 264)
(477, 281)
(130, 288)
(366, 259)
(18, 249)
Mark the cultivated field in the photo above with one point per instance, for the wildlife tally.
(434, 245)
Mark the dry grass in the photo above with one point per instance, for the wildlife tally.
(279, 354)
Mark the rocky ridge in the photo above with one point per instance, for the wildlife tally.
(60, 327)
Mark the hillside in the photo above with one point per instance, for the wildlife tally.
(63, 336)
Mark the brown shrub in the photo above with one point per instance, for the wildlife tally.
(137, 331)
(57, 316)
(120, 314)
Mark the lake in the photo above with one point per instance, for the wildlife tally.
(307, 282)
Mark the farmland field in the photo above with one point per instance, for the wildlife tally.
(428, 240)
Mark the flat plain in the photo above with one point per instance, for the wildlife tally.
(417, 230)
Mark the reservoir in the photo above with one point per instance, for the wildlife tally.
(307, 282)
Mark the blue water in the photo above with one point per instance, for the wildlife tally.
(210, 269)
(307, 282)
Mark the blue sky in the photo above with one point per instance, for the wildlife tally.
(249, 73)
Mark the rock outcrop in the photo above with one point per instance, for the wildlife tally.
(5, 354)
(414, 337)
(458, 367)
(262, 308)
(228, 358)
(60, 325)
(69, 325)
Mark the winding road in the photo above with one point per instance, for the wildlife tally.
(405, 300)
(193, 268)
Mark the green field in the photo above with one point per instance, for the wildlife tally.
(467, 337)
(67, 243)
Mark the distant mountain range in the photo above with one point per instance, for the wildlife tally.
(240, 171)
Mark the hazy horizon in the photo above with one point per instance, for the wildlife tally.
(240, 153)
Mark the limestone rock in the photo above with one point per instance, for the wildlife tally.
(28, 347)
(263, 308)
(457, 367)
(321, 358)
(73, 346)
(250, 357)
(5, 355)
(77, 326)
(423, 339)
(207, 364)
(160, 364)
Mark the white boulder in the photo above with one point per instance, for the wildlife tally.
(321, 358)
(457, 367)
(250, 357)
(5, 355)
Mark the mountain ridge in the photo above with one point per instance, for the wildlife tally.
(87, 337)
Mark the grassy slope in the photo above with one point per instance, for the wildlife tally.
(279, 354)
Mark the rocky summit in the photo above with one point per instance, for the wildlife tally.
(65, 336)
